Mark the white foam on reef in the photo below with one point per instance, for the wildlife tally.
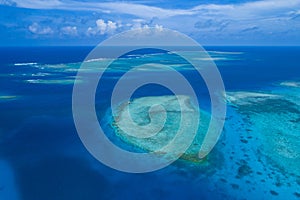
(40, 74)
(69, 80)
(99, 65)
(291, 84)
(95, 66)
(162, 67)
(242, 97)
(125, 64)
(8, 188)
(207, 56)
(97, 60)
(225, 52)
(8, 97)
(25, 64)
(63, 67)
(211, 58)
(176, 109)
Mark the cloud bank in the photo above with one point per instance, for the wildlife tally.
(265, 20)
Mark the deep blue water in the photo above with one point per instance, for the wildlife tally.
(39, 141)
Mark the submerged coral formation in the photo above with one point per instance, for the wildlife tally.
(274, 118)
(168, 119)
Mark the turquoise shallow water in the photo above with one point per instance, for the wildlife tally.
(269, 138)
(260, 158)
(257, 156)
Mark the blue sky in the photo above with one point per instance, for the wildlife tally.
(210, 22)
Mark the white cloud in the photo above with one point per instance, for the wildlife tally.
(111, 26)
(148, 29)
(242, 10)
(144, 11)
(103, 27)
(7, 3)
(39, 4)
(294, 14)
(90, 31)
(158, 27)
(116, 7)
(69, 30)
(276, 16)
(253, 11)
(37, 29)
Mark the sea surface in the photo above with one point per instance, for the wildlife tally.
(256, 157)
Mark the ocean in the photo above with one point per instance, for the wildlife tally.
(42, 156)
